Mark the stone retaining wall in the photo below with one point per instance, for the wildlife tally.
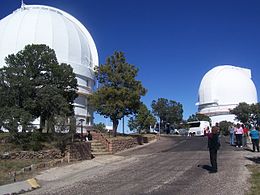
(122, 144)
(79, 151)
(116, 145)
(130, 142)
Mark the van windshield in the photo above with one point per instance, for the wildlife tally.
(194, 124)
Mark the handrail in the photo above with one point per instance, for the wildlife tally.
(103, 139)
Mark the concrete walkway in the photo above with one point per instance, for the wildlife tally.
(19, 187)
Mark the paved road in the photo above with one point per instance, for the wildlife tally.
(172, 165)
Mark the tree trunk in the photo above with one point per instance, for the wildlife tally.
(115, 124)
(50, 125)
(42, 124)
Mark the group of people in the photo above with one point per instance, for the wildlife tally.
(239, 135)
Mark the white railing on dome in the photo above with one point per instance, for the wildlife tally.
(217, 110)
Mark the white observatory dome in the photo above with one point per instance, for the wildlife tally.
(73, 44)
(223, 88)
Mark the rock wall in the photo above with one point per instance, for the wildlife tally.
(79, 151)
(122, 144)
(130, 142)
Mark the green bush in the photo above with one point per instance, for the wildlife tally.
(36, 140)
(224, 127)
(37, 136)
(62, 140)
(28, 141)
(101, 127)
(22, 139)
(36, 146)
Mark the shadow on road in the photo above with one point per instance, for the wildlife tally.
(206, 167)
(248, 149)
(254, 159)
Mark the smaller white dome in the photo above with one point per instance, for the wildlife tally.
(224, 87)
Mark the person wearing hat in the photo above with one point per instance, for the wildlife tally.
(213, 145)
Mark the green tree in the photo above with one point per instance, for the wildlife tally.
(198, 117)
(243, 112)
(224, 127)
(160, 109)
(247, 113)
(34, 84)
(175, 113)
(255, 116)
(142, 120)
(168, 111)
(119, 93)
(101, 127)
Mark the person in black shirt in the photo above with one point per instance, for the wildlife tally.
(89, 136)
(213, 145)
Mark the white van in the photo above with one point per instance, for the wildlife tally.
(198, 128)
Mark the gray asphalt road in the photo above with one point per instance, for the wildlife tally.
(172, 165)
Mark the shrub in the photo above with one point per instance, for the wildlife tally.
(36, 140)
(101, 127)
(62, 140)
(28, 141)
(224, 127)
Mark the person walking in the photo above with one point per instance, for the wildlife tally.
(254, 134)
(231, 135)
(239, 134)
(213, 145)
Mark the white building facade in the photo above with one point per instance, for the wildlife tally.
(223, 88)
(73, 44)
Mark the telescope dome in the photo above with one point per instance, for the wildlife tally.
(223, 88)
(71, 41)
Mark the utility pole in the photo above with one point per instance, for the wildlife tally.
(159, 128)
(123, 125)
(81, 121)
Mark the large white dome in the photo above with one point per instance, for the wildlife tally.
(73, 44)
(223, 88)
(40, 24)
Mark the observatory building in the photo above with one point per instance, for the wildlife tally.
(73, 44)
(223, 88)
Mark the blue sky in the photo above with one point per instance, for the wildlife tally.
(173, 43)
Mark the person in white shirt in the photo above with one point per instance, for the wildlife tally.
(239, 133)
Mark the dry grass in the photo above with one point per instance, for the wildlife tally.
(8, 167)
(255, 179)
